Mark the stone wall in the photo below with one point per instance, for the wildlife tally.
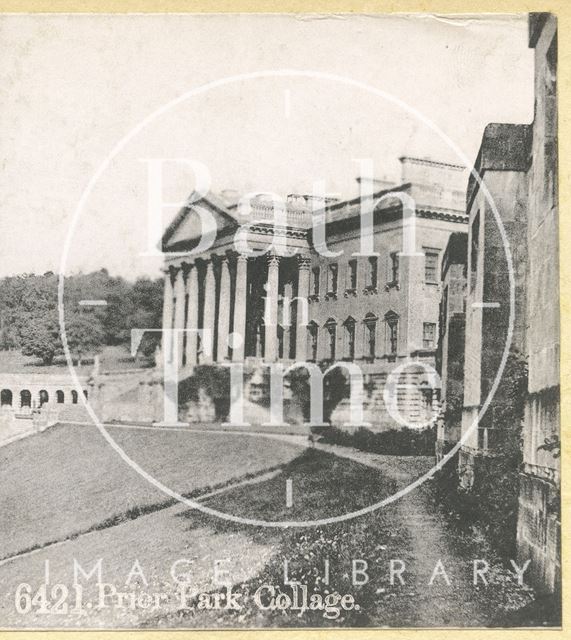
(539, 532)
(539, 526)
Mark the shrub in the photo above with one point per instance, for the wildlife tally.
(491, 503)
(398, 442)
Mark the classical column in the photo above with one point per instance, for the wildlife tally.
(286, 314)
(209, 311)
(179, 294)
(223, 311)
(168, 312)
(240, 302)
(271, 310)
(304, 265)
(192, 317)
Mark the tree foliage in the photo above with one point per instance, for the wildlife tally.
(29, 318)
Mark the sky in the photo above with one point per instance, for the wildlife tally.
(73, 86)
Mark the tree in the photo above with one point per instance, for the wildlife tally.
(85, 334)
(29, 313)
(39, 337)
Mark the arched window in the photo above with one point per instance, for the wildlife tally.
(370, 336)
(44, 397)
(331, 328)
(5, 398)
(392, 322)
(74, 397)
(25, 398)
(60, 396)
(312, 335)
(349, 339)
(85, 393)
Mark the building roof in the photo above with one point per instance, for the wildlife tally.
(456, 251)
(504, 147)
(432, 195)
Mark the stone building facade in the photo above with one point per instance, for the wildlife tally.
(539, 520)
(450, 351)
(377, 310)
(501, 165)
(517, 170)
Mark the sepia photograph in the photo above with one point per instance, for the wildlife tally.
(279, 321)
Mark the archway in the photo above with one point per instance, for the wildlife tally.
(44, 397)
(74, 396)
(6, 398)
(25, 398)
(60, 396)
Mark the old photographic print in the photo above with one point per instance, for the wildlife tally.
(279, 321)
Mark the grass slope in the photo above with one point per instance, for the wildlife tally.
(68, 479)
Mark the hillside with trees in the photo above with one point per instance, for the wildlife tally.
(29, 318)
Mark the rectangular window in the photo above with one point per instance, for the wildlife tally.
(332, 273)
(431, 266)
(474, 250)
(352, 280)
(315, 281)
(428, 335)
(373, 271)
(394, 267)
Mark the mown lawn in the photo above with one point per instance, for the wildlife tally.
(110, 359)
(323, 485)
(67, 479)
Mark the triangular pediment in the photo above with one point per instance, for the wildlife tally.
(186, 229)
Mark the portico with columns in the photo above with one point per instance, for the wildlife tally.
(234, 293)
(240, 302)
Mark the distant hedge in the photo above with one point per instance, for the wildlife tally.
(398, 442)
